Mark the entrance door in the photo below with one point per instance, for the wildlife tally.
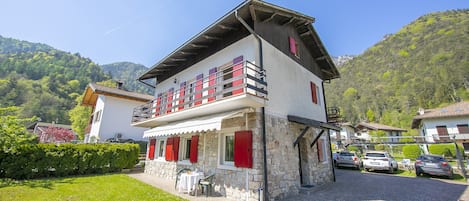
(305, 163)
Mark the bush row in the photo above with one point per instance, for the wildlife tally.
(50, 160)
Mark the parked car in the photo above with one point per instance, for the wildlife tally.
(379, 160)
(347, 159)
(433, 165)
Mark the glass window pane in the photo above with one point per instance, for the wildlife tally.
(188, 149)
(229, 148)
(161, 148)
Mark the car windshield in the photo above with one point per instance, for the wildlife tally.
(434, 158)
(346, 154)
(375, 155)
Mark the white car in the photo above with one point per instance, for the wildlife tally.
(379, 160)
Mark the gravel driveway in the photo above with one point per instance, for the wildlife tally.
(354, 185)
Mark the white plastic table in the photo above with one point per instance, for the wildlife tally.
(189, 181)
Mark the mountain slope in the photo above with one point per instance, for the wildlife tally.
(425, 64)
(43, 81)
(128, 73)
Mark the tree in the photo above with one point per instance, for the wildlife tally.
(56, 134)
(13, 131)
(79, 116)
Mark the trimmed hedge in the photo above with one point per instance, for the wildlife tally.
(447, 150)
(50, 160)
(411, 151)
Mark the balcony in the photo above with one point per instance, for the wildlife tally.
(236, 86)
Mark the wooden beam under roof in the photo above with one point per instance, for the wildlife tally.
(270, 18)
(188, 53)
(253, 13)
(177, 59)
(211, 37)
(225, 27)
(289, 21)
(198, 46)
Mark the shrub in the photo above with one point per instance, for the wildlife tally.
(446, 150)
(46, 160)
(352, 148)
(380, 147)
(411, 151)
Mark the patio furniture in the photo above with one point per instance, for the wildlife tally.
(207, 184)
(178, 175)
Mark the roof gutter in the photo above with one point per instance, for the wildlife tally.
(261, 66)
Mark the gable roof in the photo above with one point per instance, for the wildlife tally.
(376, 126)
(454, 110)
(228, 30)
(44, 124)
(93, 90)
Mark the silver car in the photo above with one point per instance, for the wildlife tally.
(379, 160)
(347, 159)
(433, 165)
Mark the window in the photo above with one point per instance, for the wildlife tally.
(314, 94)
(442, 132)
(228, 149)
(97, 116)
(185, 149)
(321, 150)
(161, 146)
(236, 149)
(463, 128)
(294, 49)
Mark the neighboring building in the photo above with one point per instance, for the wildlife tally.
(444, 124)
(112, 113)
(43, 131)
(345, 136)
(244, 100)
(392, 134)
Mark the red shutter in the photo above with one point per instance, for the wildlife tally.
(243, 149)
(169, 149)
(211, 84)
(319, 146)
(175, 148)
(169, 104)
(199, 84)
(158, 105)
(237, 74)
(314, 94)
(151, 151)
(293, 49)
(194, 148)
(182, 92)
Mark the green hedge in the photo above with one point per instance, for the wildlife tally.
(411, 151)
(447, 150)
(49, 160)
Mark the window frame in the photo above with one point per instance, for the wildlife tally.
(221, 147)
(158, 146)
(184, 146)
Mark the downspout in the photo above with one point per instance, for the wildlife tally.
(328, 134)
(261, 66)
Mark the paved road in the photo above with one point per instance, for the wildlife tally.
(354, 185)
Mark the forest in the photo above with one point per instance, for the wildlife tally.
(424, 65)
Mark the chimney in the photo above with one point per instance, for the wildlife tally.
(120, 84)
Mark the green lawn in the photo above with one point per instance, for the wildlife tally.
(103, 187)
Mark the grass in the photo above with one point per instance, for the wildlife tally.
(102, 187)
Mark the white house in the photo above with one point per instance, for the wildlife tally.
(244, 100)
(444, 124)
(392, 134)
(112, 114)
(345, 136)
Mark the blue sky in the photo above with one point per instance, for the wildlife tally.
(144, 31)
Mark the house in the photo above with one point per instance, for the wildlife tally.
(52, 132)
(112, 113)
(445, 124)
(244, 100)
(345, 136)
(389, 133)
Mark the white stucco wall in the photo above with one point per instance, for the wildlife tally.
(289, 87)
(115, 118)
(429, 125)
(245, 47)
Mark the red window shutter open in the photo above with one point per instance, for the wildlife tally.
(158, 105)
(320, 150)
(243, 149)
(151, 151)
(199, 84)
(169, 104)
(293, 49)
(314, 94)
(175, 148)
(194, 148)
(169, 149)
(182, 92)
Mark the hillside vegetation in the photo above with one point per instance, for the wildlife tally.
(128, 73)
(424, 65)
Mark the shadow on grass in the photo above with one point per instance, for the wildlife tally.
(47, 183)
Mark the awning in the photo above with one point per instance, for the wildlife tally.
(200, 124)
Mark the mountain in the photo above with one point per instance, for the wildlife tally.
(423, 65)
(128, 73)
(43, 81)
(341, 60)
(10, 45)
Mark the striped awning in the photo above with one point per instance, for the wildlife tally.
(200, 124)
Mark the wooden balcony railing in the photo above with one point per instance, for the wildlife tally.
(237, 79)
